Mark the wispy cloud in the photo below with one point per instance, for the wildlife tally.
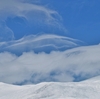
(33, 13)
(81, 62)
(39, 43)
(21, 9)
(6, 34)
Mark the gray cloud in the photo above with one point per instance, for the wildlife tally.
(81, 62)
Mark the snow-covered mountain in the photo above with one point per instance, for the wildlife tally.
(89, 89)
(39, 43)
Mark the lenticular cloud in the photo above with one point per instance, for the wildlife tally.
(40, 43)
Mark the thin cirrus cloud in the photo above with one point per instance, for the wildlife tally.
(40, 43)
(71, 65)
(6, 34)
(34, 14)
(16, 7)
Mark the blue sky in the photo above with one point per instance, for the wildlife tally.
(79, 19)
(29, 26)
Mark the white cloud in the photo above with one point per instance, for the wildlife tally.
(6, 34)
(39, 43)
(15, 7)
(80, 62)
(33, 13)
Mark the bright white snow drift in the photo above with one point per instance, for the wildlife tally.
(89, 89)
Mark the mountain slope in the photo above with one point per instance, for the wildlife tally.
(52, 90)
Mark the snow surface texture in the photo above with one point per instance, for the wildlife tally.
(89, 89)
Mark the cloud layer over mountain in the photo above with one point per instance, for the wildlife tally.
(71, 65)
(20, 22)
